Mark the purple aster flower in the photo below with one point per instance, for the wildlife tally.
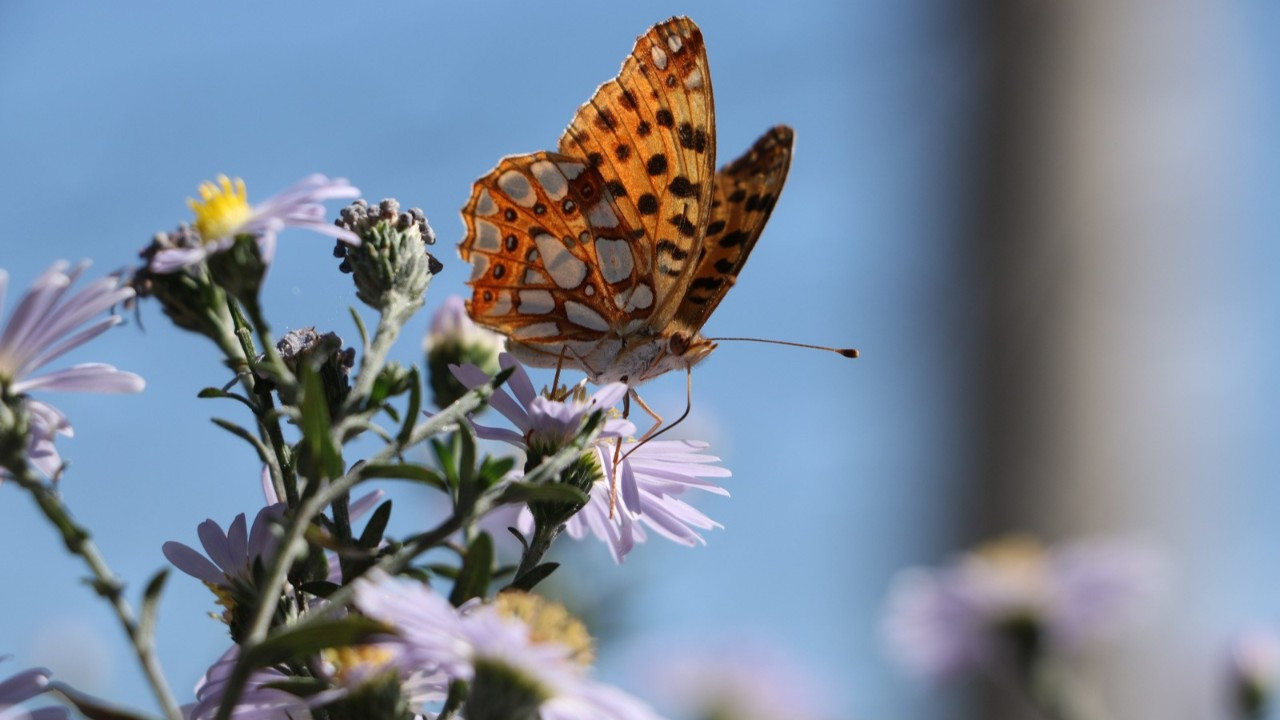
(650, 476)
(742, 680)
(545, 425)
(517, 645)
(223, 212)
(256, 702)
(48, 322)
(231, 555)
(941, 621)
(450, 324)
(22, 687)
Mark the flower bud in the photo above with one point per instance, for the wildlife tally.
(324, 353)
(392, 263)
(454, 340)
(190, 299)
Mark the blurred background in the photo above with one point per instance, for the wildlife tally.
(1049, 227)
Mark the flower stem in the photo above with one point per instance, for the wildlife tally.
(390, 323)
(291, 543)
(77, 541)
(543, 536)
(280, 467)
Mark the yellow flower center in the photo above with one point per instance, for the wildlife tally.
(1013, 552)
(221, 209)
(549, 622)
(346, 659)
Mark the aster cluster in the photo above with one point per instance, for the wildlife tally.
(327, 613)
(333, 612)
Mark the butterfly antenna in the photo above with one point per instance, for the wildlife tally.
(846, 352)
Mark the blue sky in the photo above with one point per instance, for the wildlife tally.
(843, 471)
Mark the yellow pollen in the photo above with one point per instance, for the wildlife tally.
(221, 209)
(346, 659)
(549, 622)
(1012, 552)
(223, 597)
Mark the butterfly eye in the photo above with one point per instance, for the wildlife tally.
(678, 344)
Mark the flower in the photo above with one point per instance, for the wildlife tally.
(231, 558)
(1253, 668)
(454, 340)
(650, 476)
(231, 554)
(22, 687)
(256, 701)
(519, 653)
(46, 324)
(1015, 598)
(223, 213)
(739, 679)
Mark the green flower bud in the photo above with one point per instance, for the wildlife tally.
(391, 265)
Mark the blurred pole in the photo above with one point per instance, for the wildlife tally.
(1102, 137)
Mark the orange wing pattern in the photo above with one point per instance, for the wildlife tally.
(651, 134)
(551, 258)
(745, 192)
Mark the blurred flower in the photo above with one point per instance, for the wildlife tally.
(1253, 668)
(519, 653)
(735, 681)
(1016, 600)
(649, 477)
(45, 325)
(454, 340)
(256, 701)
(223, 213)
(22, 687)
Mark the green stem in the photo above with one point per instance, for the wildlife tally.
(280, 466)
(77, 541)
(390, 323)
(291, 542)
(543, 536)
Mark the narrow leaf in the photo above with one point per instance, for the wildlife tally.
(477, 569)
(377, 525)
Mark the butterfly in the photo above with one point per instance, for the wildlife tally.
(610, 253)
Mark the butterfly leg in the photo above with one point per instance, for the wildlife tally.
(653, 431)
(617, 448)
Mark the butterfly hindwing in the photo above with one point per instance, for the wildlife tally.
(745, 192)
(650, 133)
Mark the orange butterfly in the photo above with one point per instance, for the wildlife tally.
(609, 254)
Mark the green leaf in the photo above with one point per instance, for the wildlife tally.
(448, 572)
(477, 569)
(446, 455)
(493, 470)
(321, 458)
(299, 644)
(320, 588)
(150, 604)
(415, 406)
(534, 576)
(376, 526)
(92, 707)
(524, 544)
(405, 471)
(523, 492)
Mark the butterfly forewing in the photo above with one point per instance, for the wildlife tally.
(650, 133)
(745, 192)
(552, 262)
